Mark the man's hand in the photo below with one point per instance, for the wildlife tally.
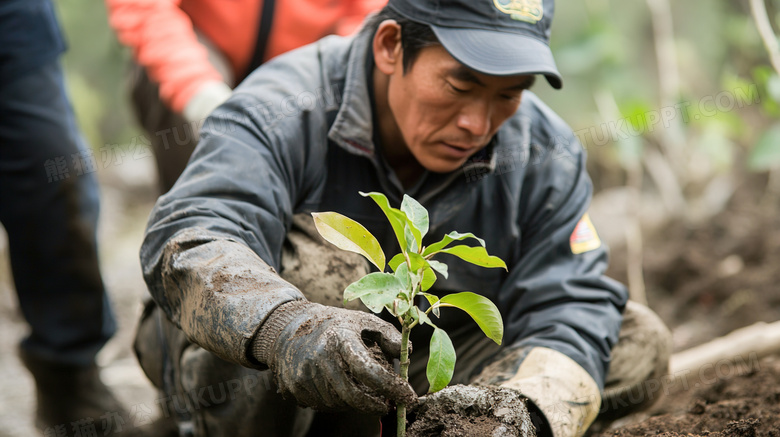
(205, 100)
(332, 359)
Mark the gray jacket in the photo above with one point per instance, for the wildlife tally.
(297, 137)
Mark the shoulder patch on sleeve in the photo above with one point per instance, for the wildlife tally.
(584, 238)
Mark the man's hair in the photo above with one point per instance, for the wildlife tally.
(414, 36)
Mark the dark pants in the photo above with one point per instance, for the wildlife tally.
(49, 207)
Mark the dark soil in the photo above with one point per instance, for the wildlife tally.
(747, 405)
(466, 411)
(706, 280)
(380, 357)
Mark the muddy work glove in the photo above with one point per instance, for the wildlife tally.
(332, 359)
(564, 398)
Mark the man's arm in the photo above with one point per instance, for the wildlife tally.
(214, 240)
(210, 254)
(164, 42)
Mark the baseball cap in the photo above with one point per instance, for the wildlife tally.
(495, 37)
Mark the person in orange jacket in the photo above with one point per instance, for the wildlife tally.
(189, 54)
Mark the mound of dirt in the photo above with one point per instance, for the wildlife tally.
(466, 411)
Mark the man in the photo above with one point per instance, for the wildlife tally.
(189, 54)
(49, 207)
(428, 100)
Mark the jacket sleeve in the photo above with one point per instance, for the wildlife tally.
(213, 243)
(163, 41)
(555, 298)
(357, 11)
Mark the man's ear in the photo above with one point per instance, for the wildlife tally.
(387, 47)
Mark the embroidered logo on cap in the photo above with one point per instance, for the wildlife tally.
(530, 11)
(584, 238)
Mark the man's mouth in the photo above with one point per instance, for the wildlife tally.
(459, 149)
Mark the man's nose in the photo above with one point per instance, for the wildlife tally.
(475, 118)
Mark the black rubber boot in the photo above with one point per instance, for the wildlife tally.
(70, 395)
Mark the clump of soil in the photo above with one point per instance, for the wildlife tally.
(379, 356)
(465, 411)
(743, 406)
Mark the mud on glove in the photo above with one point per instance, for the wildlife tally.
(332, 359)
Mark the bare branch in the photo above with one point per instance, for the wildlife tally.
(758, 9)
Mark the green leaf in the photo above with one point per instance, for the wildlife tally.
(402, 274)
(766, 153)
(449, 238)
(416, 259)
(396, 217)
(475, 255)
(428, 279)
(481, 309)
(441, 361)
(375, 302)
(375, 290)
(416, 278)
(417, 216)
(439, 267)
(399, 307)
(350, 235)
(420, 316)
(433, 299)
(396, 261)
(411, 236)
(417, 262)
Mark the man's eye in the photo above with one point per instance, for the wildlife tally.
(456, 89)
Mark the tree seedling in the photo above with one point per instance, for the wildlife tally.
(413, 273)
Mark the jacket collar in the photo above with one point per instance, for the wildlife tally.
(353, 128)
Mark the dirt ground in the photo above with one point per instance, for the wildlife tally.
(706, 280)
(741, 406)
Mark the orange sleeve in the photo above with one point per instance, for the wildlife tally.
(356, 13)
(163, 40)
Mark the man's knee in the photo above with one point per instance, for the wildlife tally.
(644, 346)
(640, 360)
(210, 382)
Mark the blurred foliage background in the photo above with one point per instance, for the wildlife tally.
(675, 101)
(716, 77)
(607, 53)
(96, 68)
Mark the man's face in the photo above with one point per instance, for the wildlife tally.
(447, 112)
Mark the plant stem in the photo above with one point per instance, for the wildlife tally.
(401, 408)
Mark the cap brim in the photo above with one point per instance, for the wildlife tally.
(499, 53)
